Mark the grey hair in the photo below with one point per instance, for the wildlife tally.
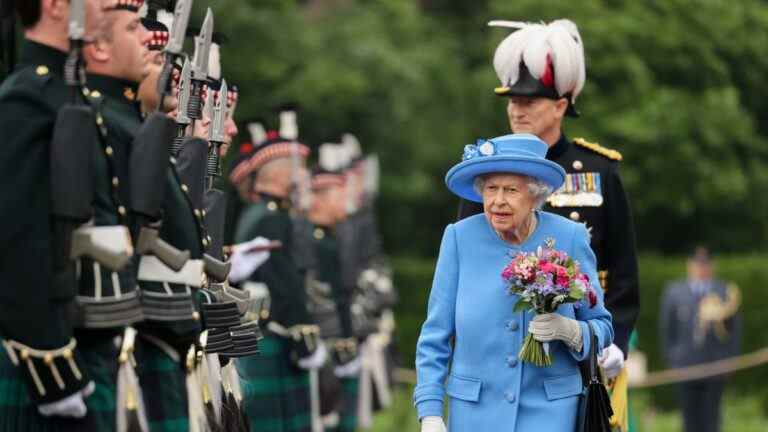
(537, 188)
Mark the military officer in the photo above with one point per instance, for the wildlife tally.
(700, 323)
(291, 344)
(46, 378)
(542, 82)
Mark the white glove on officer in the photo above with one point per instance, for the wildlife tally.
(432, 424)
(348, 370)
(71, 406)
(316, 360)
(552, 326)
(612, 361)
(244, 263)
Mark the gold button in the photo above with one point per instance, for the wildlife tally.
(121, 210)
(272, 206)
(319, 233)
(99, 120)
(115, 181)
(209, 239)
(184, 188)
(196, 316)
(197, 213)
(86, 92)
(24, 354)
(109, 151)
(575, 215)
(48, 359)
(577, 165)
(96, 94)
(173, 160)
(205, 242)
(42, 70)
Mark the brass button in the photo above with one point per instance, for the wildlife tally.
(99, 120)
(577, 165)
(121, 210)
(575, 215)
(196, 316)
(42, 70)
(272, 206)
(96, 94)
(184, 188)
(173, 160)
(203, 212)
(319, 233)
(86, 92)
(109, 151)
(115, 181)
(205, 242)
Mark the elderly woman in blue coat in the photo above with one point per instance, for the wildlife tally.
(469, 342)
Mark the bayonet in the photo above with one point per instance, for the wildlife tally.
(174, 48)
(178, 32)
(203, 48)
(74, 68)
(217, 112)
(182, 116)
(200, 65)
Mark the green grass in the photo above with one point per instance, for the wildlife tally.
(741, 414)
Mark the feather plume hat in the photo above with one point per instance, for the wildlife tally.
(544, 60)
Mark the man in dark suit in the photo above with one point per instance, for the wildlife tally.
(699, 324)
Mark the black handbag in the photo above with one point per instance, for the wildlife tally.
(595, 410)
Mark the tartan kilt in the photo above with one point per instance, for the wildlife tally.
(276, 393)
(348, 409)
(19, 414)
(163, 384)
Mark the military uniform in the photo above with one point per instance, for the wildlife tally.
(275, 390)
(31, 97)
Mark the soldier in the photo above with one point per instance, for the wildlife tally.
(700, 323)
(330, 303)
(39, 358)
(542, 82)
(291, 344)
(172, 322)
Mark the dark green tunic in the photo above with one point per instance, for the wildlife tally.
(276, 393)
(29, 101)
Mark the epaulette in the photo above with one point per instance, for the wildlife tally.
(597, 148)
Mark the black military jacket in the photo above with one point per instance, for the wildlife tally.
(270, 218)
(594, 195)
(325, 248)
(35, 305)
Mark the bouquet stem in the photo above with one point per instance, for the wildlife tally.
(533, 352)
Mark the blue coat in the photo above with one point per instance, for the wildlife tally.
(470, 326)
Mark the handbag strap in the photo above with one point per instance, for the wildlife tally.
(593, 374)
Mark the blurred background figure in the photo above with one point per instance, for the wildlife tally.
(700, 323)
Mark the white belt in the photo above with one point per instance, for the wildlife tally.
(151, 269)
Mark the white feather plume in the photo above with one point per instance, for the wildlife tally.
(352, 145)
(257, 132)
(531, 44)
(289, 128)
(329, 157)
(166, 18)
(214, 61)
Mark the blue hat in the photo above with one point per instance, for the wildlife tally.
(522, 154)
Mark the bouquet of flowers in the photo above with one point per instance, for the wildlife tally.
(544, 280)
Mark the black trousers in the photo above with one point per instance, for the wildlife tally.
(700, 404)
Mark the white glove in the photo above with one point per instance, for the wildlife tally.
(432, 424)
(552, 326)
(316, 360)
(71, 406)
(244, 263)
(612, 361)
(351, 369)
